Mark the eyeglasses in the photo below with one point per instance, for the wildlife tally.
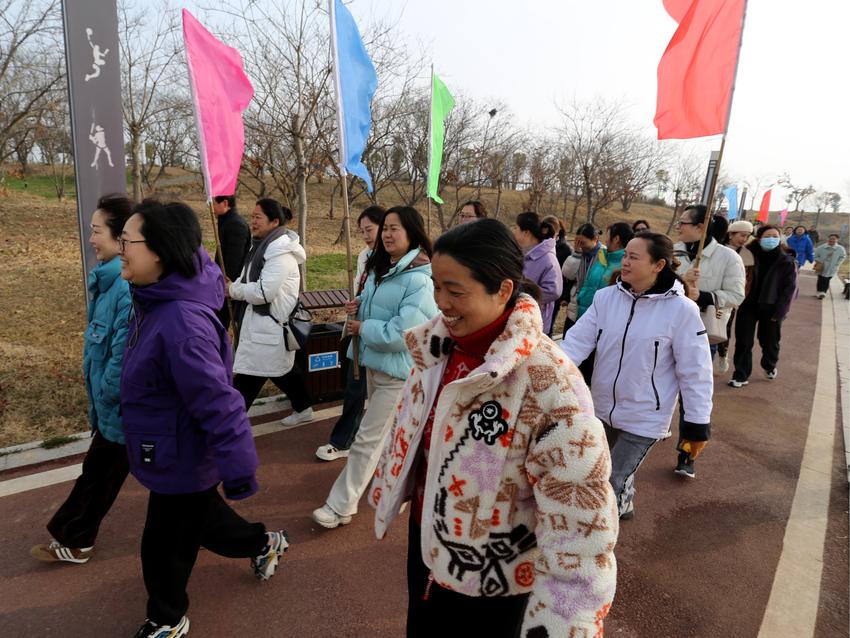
(122, 243)
(681, 223)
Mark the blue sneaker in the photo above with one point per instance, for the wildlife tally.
(151, 630)
(265, 564)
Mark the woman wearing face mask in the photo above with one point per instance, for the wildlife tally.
(354, 398)
(185, 424)
(765, 306)
(75, 524)
(496, 444)
(398, 295)
(265, 295)
(651, 349)
(537, 240)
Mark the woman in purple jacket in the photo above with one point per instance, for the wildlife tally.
(537, 240)
(185, 425)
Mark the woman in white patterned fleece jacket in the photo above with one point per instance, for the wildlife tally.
(513, 524)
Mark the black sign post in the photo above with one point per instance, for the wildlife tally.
(94, 94)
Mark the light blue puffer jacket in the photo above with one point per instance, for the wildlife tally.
(403, 299)
(103, 352)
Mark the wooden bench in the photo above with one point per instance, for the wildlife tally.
(321, 299)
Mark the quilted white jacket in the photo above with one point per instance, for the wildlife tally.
(517, 497)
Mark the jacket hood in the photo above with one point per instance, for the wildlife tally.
(416, 258)
(663, 289)
(544, 247)
(525, 326)
(290, 243)
(104, 275)
(205, 287)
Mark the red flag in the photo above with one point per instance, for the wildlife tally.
(221, 91)
(697, 71)
(764, 209)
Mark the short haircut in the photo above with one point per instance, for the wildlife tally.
(230, 199)
(173, 234)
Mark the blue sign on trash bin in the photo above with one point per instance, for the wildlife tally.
(322, 361)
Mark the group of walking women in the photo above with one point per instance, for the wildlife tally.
(474, 415)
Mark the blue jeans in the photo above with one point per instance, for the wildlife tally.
(627, 453)
(353, 402)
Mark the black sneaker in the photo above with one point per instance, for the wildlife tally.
(685, 466)
(151, 630)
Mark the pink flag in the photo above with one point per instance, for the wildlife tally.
(221, 92)
(697, 71)
(764, 209)
(782, 216)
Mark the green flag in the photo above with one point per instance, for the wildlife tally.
(441, 103)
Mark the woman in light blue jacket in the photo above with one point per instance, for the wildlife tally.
(398, 295)
(75, 524)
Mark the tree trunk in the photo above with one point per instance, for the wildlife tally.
(589, 197)
(136, 154)
(673, 218)
(498, 198)
(300, 189)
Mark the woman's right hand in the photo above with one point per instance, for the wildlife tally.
(351, 306)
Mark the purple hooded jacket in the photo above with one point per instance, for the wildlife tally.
(185, 425)
(541, 267)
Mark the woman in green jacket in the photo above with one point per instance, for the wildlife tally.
(75, 524)
(607, 263)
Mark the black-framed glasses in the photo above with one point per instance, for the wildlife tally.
(681, 223)
(122, 243)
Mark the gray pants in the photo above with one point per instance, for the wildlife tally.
(627, 453)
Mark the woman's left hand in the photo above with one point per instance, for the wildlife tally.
(353, 327)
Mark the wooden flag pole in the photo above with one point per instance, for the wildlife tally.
(219, 255)
(346, 229)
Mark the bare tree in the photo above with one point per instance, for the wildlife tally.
(683, 184)
(149, 50)
(591, 132)
(53, 140)
(29, 70)
(798, 194)
(640, 160)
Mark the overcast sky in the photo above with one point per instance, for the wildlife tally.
(791, 108)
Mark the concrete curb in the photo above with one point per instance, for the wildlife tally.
(34, 452)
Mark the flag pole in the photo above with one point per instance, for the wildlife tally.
(343, 176)
(430, 143)
(710, 201)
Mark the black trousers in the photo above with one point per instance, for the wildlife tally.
(292, 384)
(823, 283)
(723, 348)
(177, 526)
(756, 320)
(448, 614)
(353, 403)
(76, 523)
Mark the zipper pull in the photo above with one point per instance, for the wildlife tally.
(428, 586)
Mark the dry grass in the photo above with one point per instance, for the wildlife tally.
(41, 295)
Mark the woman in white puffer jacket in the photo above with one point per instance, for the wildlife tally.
(651, 347)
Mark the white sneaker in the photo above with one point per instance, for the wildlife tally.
(772, 374)
(821, 295)
(298, 418)
(737, 384)
(723, 364)
(330, 453)
(329, 519)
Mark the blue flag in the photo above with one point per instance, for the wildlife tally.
(356, 82)
(732, 197)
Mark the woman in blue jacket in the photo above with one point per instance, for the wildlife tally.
(398, 295)
(75, 524)
(802, 245)
(185, 424)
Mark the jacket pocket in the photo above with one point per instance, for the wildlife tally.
(154, 451)
(652, 377)
(265, 330)
(96, 342)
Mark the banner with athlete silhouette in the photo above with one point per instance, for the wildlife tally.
(94, 94)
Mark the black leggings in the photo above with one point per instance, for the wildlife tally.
(292, 384)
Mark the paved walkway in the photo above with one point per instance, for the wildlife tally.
(702, 558)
